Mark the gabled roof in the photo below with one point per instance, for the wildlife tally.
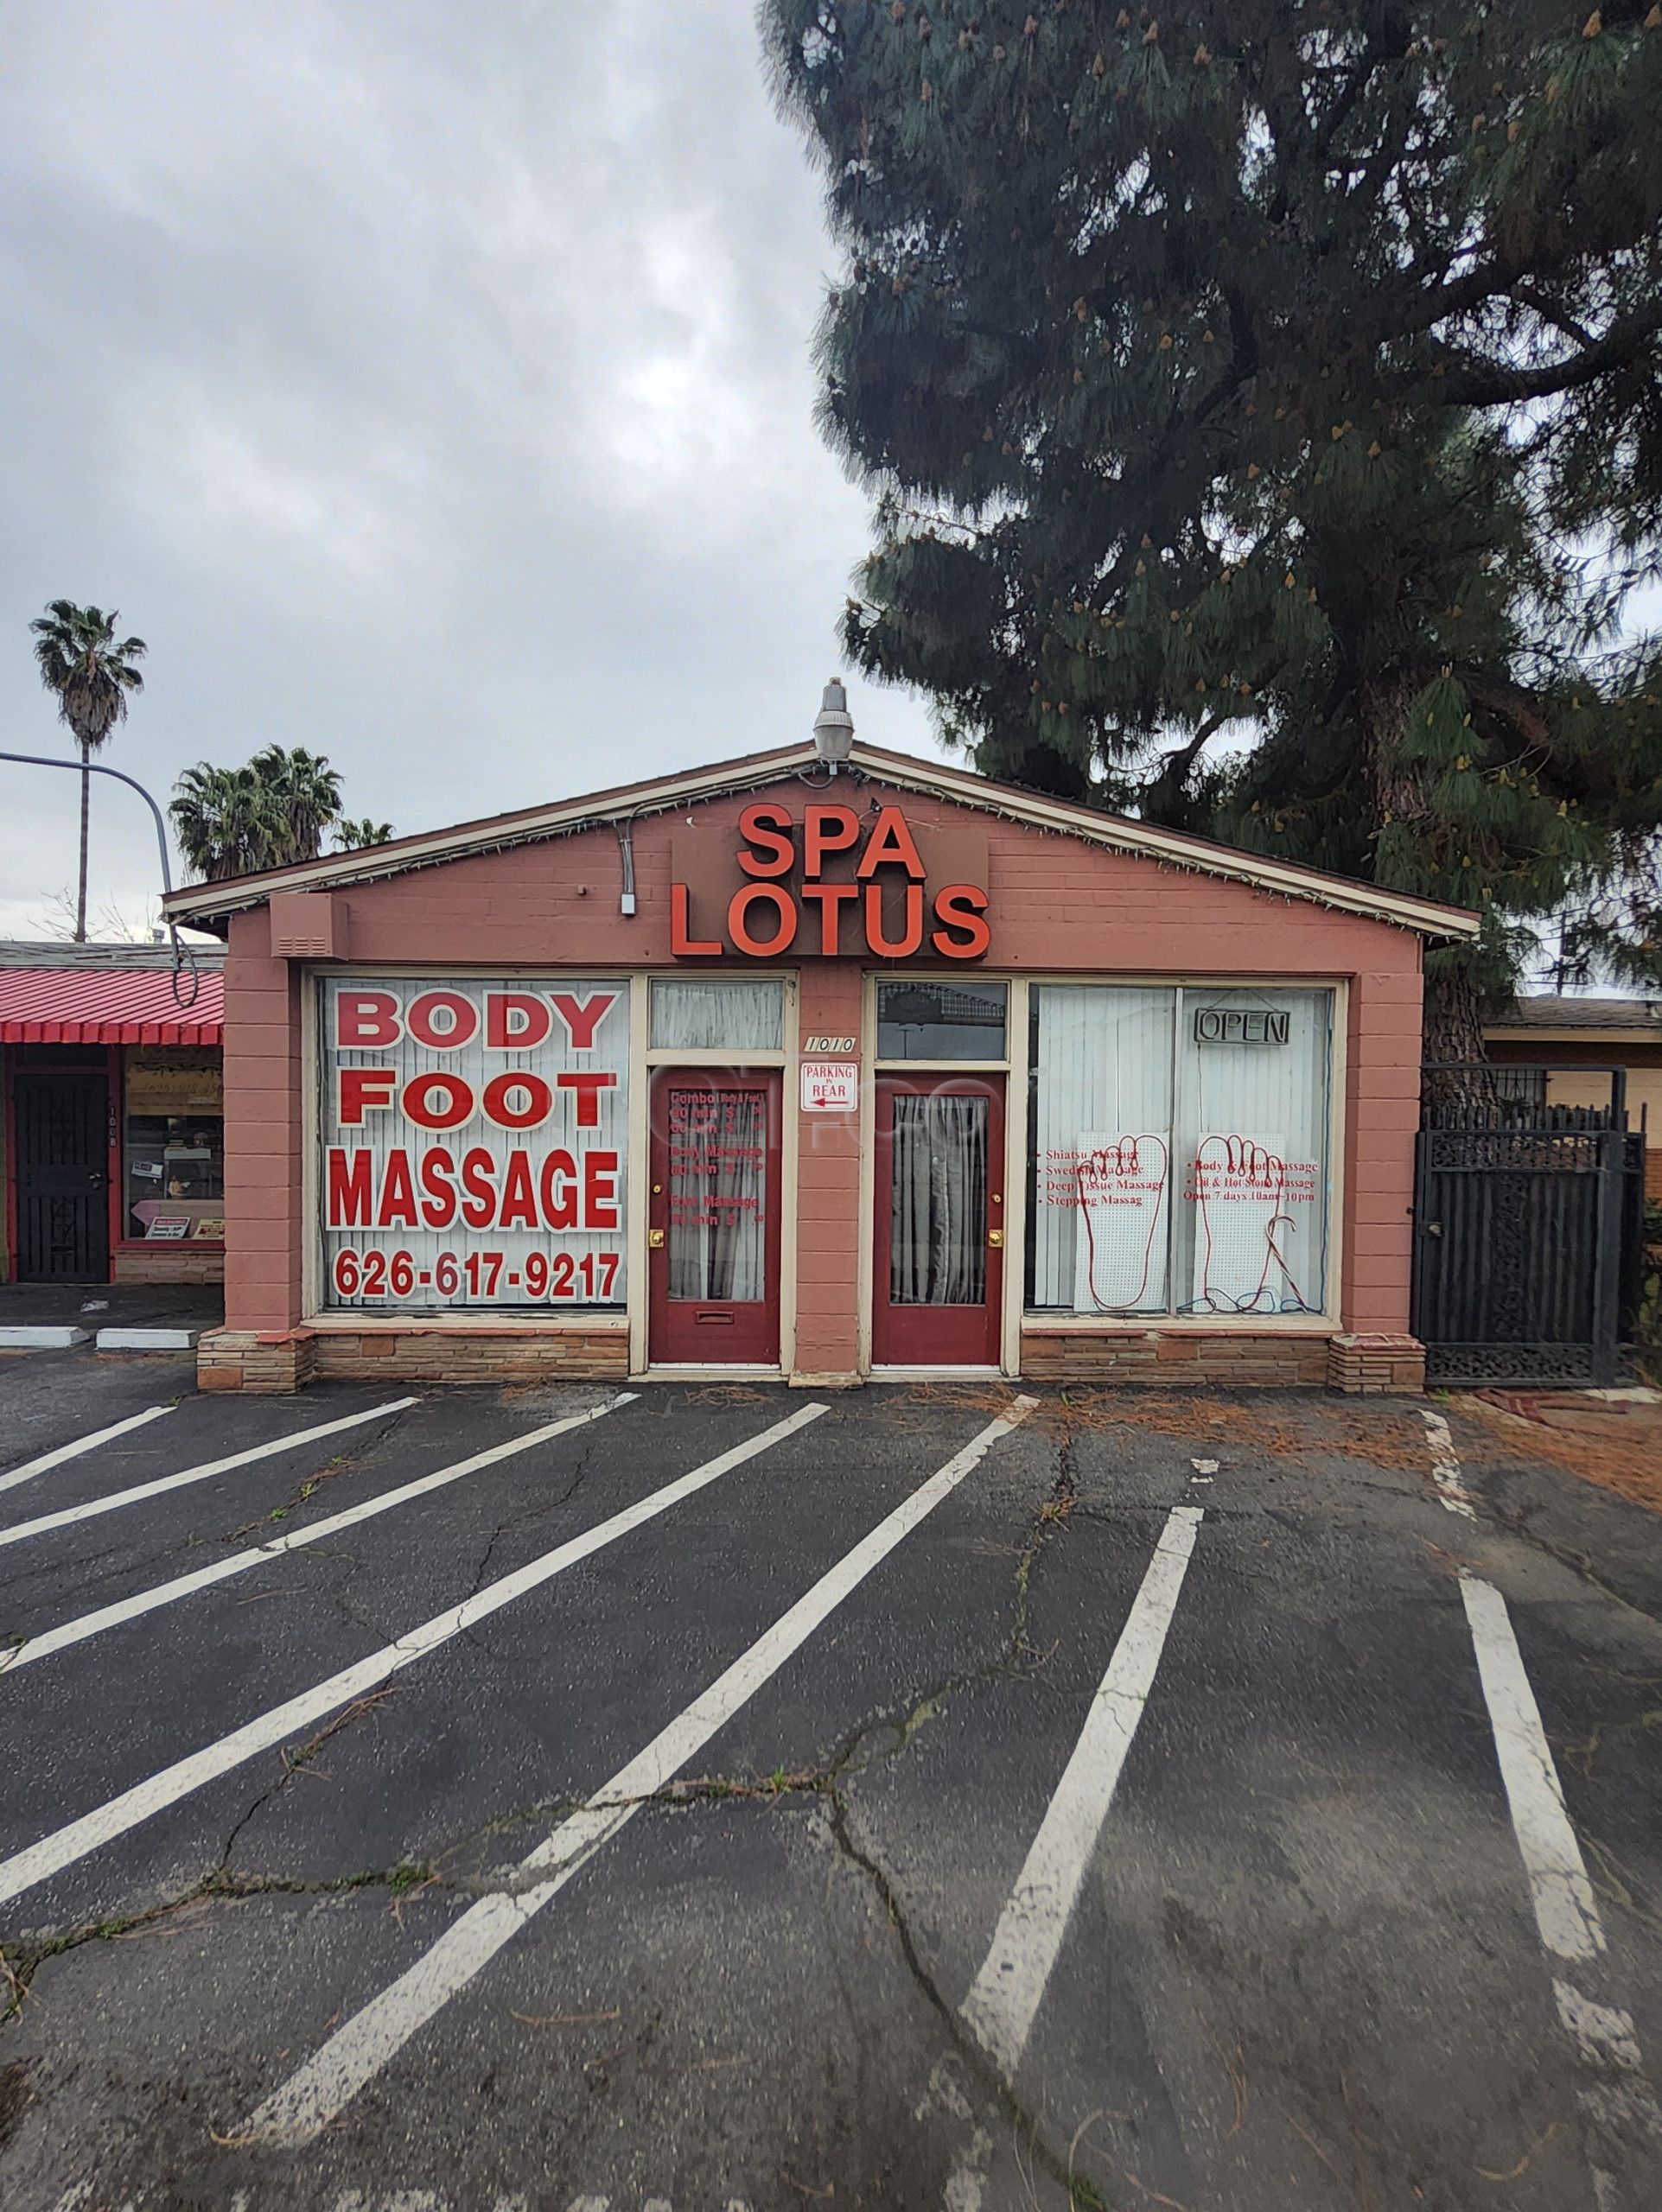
(898, 771)
(1549, 1011)
(31, 952)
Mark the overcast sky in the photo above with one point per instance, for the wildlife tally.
(429, 385)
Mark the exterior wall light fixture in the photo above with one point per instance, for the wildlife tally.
(833, 725)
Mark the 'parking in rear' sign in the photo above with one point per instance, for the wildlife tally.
(830, 1086)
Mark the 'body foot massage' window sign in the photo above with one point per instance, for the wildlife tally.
(1179, 1150)
(472, 1142)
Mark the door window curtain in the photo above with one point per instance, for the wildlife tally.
(1099, 1189)
(730, 1015)
(718, 1183)
(937, 1247)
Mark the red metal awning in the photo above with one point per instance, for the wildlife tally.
(107, 1005)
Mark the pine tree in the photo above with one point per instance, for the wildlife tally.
(1263, 404)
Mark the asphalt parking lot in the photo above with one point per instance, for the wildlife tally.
(527, 1800)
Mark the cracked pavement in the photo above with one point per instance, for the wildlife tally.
(1303, 1973)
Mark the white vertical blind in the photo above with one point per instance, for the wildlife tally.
(1100, 1127)
(1213, 1202)
(1253, 1129)
(718, 1194)
(937, 1222)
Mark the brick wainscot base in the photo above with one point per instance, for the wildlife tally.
(280, 1360)
(1275, 1360)
(285, 1360)
(169, 1263)
(1364, 1365)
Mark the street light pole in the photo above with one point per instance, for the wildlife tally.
(183, 965)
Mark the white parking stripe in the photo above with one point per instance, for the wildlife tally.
(145, 1799)
(1606, 2035)
(1005, 1995)
(182, 1585)
(13, 1476)
(1616, 2102)
(312, 2097)
(1566, 1911)
(96, 1505)
(1452, 1492)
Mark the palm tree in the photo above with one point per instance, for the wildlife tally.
(92, 672)
(274, 812)
(228, 822)
(352, 837)
(306, 794)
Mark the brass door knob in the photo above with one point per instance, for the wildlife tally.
(655, 1238)
(996, 1236)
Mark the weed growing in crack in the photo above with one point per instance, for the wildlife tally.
(300, 1759)
(21, 1962)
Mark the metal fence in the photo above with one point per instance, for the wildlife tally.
(1528, 1227)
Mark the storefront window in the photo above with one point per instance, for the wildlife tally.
(1253, 1138)
(940, 1021)
(474, 1141)
(717, 1016)
(174, 1148)
(1179, 1150)
(1101, 1133)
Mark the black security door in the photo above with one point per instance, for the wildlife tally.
(63, 1208)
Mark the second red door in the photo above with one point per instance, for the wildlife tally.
(939, 1272)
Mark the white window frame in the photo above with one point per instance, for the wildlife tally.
(337, 1320)
(1050, 1319)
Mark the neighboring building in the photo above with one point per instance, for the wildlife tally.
(1580, 1038)
(760, 1070)
(114, 1132)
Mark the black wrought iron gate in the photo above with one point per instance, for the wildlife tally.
(1528, 1227)
(62, 1147)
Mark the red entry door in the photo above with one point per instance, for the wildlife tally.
(939, 1261)
(713, 1218)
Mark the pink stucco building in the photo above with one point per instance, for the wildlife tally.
(769, 1069)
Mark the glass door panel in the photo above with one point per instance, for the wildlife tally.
(940, 1226)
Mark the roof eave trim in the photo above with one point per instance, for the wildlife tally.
(566, 818)
(1630, 1033)
(1120, 834)
(1117, 833)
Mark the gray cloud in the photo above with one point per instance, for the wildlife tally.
(428, 384)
